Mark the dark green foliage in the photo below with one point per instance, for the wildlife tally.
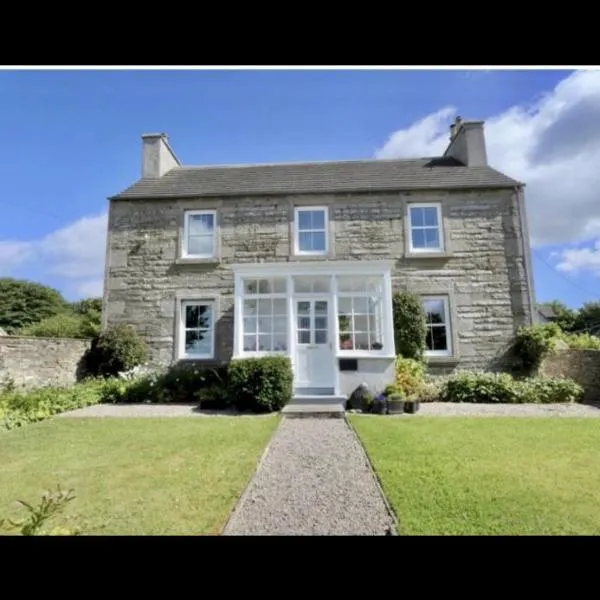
(490, 388)
(25, 302)
(587, 318)
(565, 316)
(62, 326)
(534, 343)
(19, 407)
(409, 325)
(261, 384)
(119, 348)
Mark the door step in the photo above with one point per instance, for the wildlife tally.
(316, 406)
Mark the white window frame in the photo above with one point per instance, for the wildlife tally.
(440, 227)
(325, 230)
(182, 329)
(447, 324)
(264, 296)
(186, 231)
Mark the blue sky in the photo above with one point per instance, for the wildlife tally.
(72, 138)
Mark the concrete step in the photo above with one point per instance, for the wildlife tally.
(316, 406)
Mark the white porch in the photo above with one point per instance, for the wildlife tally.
(317, 313)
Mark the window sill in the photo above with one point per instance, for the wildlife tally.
(195, 358)
(409, 254)
(185, 260)
(363, 354)
(442, 360)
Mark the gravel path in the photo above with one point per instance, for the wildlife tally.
(314, 480)
(146, 410)
(457, 409)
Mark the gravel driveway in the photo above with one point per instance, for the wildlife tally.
(314, 480)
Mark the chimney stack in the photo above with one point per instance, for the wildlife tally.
(467, 143)
(157, 155)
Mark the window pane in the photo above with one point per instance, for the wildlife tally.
(264, 343)
(200, 245)
(250, 307)
(279, 285)
(304, 219)
(434, 310)
(250, 325)
(320, 322)
(346, 341)
(305, 242)
(321, 307)
(432, 238)
(303, 322)
(265, 306)
(345, 284)
(280, 324)
(201, 224)
(304, 337)
(303, 308)
(198, 315)
(361, 305)
(360, 323)
(318, 219)
(320, 337)
(198, 342)
(430, 216)
(321, 284)
(303, 285)
(417, 218)
(418, 238)
(318, 241)
(280, 342)
(437, 339)
(361, 341)
(344, 323)
(249, 343)
(265, 286)
(280, 306)
(265, 325)
(250, 286)
(345, 305)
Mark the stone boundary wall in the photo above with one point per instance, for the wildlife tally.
(581, 365)
(34, 361)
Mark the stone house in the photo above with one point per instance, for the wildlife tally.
(215, 262)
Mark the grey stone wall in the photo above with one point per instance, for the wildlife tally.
(581, 365)
(482, 271)
(34, 362)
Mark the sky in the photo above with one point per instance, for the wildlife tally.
(73, 138)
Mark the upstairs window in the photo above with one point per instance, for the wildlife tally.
(425, 227)
(311, 230)
(199, 234)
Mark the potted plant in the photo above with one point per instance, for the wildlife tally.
(395, 403)
(411, 405)
(380, 404)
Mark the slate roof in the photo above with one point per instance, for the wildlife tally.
(317, 177)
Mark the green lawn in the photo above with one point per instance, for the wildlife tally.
(135, 476)
(488, 476)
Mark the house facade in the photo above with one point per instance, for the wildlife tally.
(221, 262)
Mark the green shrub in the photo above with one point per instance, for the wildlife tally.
(410, 376)
(410, 327)
(261, 384)
(64, 325)
(534, 343)
(485, 388)
(119, 348)
(479, 387)
(548, 390)
(581, 341)
(20, 407)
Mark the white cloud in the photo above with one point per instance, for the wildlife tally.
(553, 145)
(75, 253)
(573, 260)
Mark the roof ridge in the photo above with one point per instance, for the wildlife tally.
(304, 163)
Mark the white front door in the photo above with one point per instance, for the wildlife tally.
(314, 348)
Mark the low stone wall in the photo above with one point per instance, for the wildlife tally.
(33, 362)
(581, 365)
